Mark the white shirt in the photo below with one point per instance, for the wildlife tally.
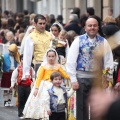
(12, 66)
(15, 75)
(27, 59)
(58, 91)
(73, 55)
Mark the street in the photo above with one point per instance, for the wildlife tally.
(8, 113)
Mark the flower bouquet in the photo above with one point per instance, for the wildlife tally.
(107, 78)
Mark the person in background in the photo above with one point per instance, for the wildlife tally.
(90, 11)
(71, 36)
(109, 26)
(55, 29)
(29, 30)
(73, 24)
(9, 37)
(48, 25)
(32, 16)
(10, 62)
(60, 20)
(62, 46)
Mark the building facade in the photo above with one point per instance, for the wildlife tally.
(63, 7)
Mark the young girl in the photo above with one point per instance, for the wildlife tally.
(35, 106)
(56, 98)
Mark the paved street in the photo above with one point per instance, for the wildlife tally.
(8, 113)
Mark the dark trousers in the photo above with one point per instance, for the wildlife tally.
(36, 67)
(81, 98)
(57, 116)
(23, 93)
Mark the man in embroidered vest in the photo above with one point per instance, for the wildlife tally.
(80, 64)
(36, 45)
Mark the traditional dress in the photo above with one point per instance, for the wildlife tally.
(81, 67)
(35, 106)
(23, 87)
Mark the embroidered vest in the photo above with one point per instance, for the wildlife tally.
(41, 43)
(85, 61)
(19, 77)
(54, 98)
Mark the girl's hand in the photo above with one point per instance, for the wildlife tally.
(49, 112)
(117, 86)
(35, 91)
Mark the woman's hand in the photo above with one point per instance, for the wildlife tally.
(35, 91)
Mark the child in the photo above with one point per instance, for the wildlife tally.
(62, 46)
(23, 86)
(56, 98)
(10, 62)
(35, 106)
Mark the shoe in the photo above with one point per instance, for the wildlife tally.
(22, 117)
(9, 103)
(6, 104)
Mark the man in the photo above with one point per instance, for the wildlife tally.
(36, 45)
(73, 24)
(90, 11)
(80, 64)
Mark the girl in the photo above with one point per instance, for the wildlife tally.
(35, 106)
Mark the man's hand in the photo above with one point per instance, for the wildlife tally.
(49, 112)
(75, 85)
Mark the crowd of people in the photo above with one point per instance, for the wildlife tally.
(57, 61)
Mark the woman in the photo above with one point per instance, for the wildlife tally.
(55, 29)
